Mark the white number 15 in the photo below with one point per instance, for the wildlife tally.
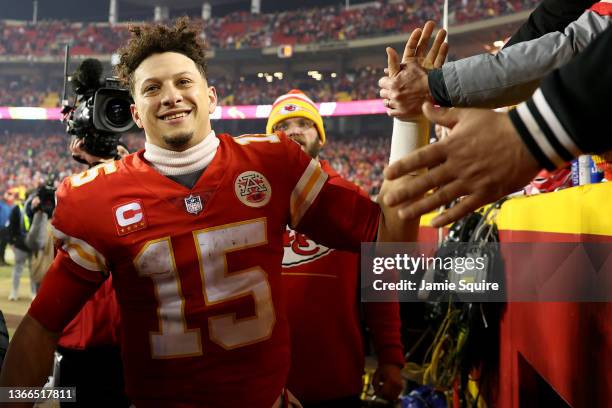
(174, 339)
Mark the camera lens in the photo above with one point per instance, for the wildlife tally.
(117, 112)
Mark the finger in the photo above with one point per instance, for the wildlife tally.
(386, 71)
(443, 196)
(412, 44)
(441, 58)
(463, 208)
(435, 47)
(441, 116)
(384, 82)
(415, 187)
(393, 63)
(384, 93)
(428, 156)
(425, 37)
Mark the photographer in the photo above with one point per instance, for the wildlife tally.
(39, 240)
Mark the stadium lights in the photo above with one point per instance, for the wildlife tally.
(278, 75)
(333, 75)
(260, 75)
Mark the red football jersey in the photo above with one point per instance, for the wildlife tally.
(196, 271)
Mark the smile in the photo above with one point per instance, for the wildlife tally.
(174, 116)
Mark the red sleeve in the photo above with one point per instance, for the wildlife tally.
(63, 292)
(383, 319)
(341, 218)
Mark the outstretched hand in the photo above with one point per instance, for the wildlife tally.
(405, 87)
(482, 160)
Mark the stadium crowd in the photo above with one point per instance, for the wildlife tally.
(349, 86)
(242, 29)
(354, 85)
(26, 160)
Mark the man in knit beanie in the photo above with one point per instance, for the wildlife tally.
(320, 286)
(296, 111)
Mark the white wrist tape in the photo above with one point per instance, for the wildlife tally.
(408, 136)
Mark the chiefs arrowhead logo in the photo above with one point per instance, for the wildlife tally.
(299, 249)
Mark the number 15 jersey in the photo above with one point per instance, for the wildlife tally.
(197, 271)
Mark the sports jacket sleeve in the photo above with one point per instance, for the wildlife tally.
(549, 16)
(513, 74)
(485, 80)
(567, 115)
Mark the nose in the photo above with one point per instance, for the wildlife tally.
(171, 96)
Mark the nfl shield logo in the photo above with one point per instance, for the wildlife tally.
(193, 204)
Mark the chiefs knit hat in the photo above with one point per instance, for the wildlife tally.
(295, 104)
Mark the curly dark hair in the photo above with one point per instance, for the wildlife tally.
(148, 39)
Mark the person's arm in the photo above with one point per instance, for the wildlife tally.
(36, 238)
(29, 357)
(383, 320)
(65, 289)
(514, 73)
(489, 155)
(567, 115)
(549, 16)
(14, 225)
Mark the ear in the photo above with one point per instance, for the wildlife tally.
(136, 115)
(212, 99)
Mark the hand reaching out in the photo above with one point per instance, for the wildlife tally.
(482, 160)
(405, 87)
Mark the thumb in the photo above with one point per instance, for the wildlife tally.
(393, 62)
(442, 116)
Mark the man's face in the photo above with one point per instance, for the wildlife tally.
(172, 101)
(304, 132)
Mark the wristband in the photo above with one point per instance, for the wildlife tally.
(408, 136)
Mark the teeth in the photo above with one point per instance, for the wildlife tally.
(175, 116)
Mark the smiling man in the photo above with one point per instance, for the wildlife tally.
(192, 230)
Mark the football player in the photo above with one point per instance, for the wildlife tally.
(192, 230)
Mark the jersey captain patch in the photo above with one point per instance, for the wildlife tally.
(129, 217)
(252, 189)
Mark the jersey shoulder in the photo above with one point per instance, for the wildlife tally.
(86, 195)
(262, 145)
(94, 180)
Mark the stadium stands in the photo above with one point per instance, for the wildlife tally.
(241, 30)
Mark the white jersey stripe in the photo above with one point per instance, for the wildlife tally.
(554, 124)
(538, 136)
(81, 252)
(306, 191)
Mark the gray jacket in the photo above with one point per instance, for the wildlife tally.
(511, 76)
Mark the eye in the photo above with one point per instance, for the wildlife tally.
(150, 88)
(184, 81)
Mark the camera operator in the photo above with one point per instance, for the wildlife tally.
(39, 208)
